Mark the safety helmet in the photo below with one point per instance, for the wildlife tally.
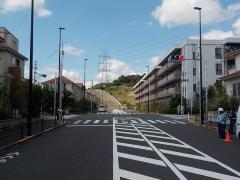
(220, 110)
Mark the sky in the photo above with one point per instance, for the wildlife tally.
(133, 33)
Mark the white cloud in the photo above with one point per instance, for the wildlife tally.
(236, 27)
(179, 12)
(154, 61)
(215, 34)
(71, 50)
(117, 68)
(17, 5)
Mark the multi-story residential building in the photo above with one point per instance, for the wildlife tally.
(11, 61)
(177, 77)
(231, 78)
(75, 88)
(163, 81)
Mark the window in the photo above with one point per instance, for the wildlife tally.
(218, 69)
(194, 71)
(218, 53)
(13, 61)
(194, 55)
(18, 62)
(234, 90)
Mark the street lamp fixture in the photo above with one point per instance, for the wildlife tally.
(200, 48)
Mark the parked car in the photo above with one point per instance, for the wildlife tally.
(238, 124)
(101, 108)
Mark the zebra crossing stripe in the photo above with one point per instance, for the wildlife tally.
(133, 121)
(147, 128)
(130, 138)
(125, 129)
(205, 172)
(123, 125)
(122, 132)
(131, 175)
(142, 159)
(161, 121)
(202, 158)
(87, 121)
(180, 122)
(77, 122)
(105, 121)
(154, 132)
(151, 121)
(134, 146)
(96, 121)
(170, 121)
(169, 144)
(161, 137)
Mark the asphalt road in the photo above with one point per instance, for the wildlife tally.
(123, 146)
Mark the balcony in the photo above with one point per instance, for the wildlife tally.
(169, 92)
(169, 79)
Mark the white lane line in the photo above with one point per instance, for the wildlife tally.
(203, 154)
(125, 129)
(206, 172)
(134, 176)
(164, 158)
(77, 122)
(122, 132)
(154, 132)
(161, 137)
(134, 146)
(144, 125)
(202, 158)
(142, 159)
(180, 122)
(147, 128)
(123, 125)
(134, 122)
(169, 144)
(169, 121)
(87, 121)
(116, 175)
(89, 125)
(130, 138)
(96, 121)
(162, 122)
(151, 121)
(105, 121)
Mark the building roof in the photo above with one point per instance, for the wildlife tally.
(4, 47)
(80, 85)
(64, 80)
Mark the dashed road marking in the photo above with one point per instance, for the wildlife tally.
(77, 122)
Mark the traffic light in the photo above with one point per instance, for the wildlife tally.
(181, 58)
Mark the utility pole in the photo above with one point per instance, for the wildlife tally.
(200, 49)
(92, 98)
(206, 93)
(84, 86)
(59, 75)
(35, 72)
(148, 103)
(29, 118)
(55, 97)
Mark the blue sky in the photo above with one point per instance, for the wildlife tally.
(133, 33)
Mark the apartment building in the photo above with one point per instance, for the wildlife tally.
(213, 65)
(174, 77)
(164, 81)
(11, 61)
(231, 78)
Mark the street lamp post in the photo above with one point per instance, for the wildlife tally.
(200, 49)
(29, 118)
(60, 74)
(148, 109)
(84, 85)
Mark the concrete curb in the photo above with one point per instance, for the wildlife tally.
(30, 137)
(201, 125)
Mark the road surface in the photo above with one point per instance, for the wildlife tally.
(107, 146)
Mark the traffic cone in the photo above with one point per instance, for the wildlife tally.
(227, 138)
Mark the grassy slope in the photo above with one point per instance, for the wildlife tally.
(124, 94)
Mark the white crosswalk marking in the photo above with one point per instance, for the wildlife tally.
(96, 121)
(151, 121)
(169, 144)
(122, 132)
(87, 121)
(130, 138)
(180, 122)
(125, 129)
(169, 121)
(162, 122)
(134, 122)
(105, 121)
(154, 132)
(161, 137)
(135, 146)
(77, 122)
(134, 176)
